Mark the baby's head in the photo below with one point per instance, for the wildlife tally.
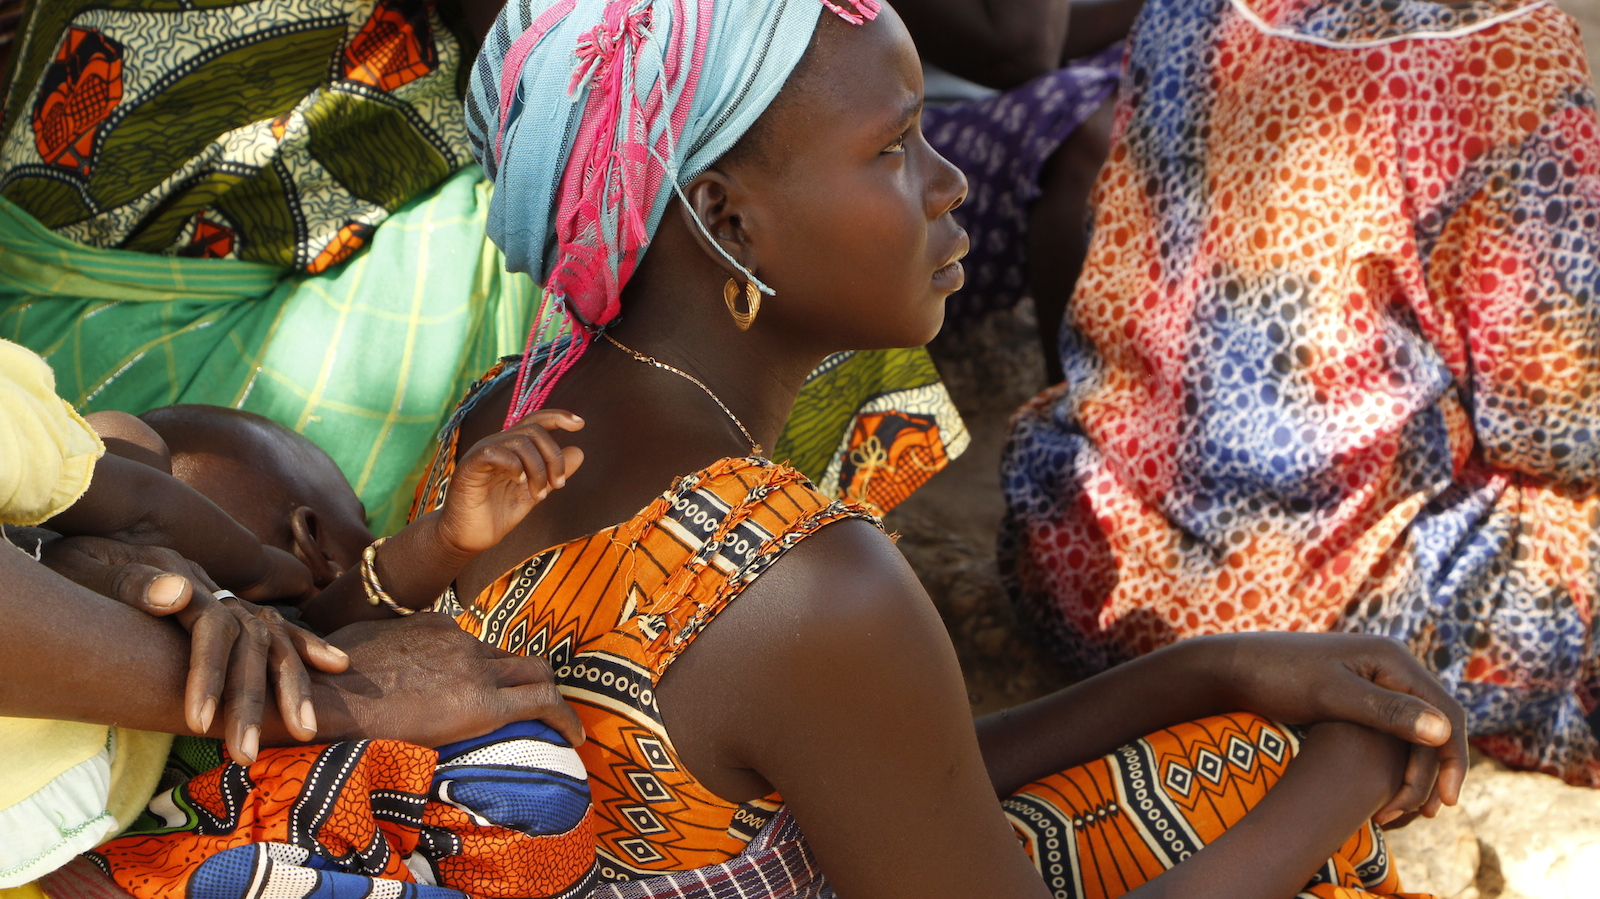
(276, 483)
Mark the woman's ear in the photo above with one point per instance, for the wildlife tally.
(717, 222)
(308, 546)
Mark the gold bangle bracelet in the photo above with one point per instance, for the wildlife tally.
(376, 595)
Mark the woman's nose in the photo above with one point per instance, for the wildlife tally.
(947, 187)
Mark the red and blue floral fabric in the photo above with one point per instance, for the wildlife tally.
(1334, 359)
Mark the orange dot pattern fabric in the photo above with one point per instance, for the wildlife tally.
(505, 816)
(613, 610)
(1333, 363)
(1103, 829)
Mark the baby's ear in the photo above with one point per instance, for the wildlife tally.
(308, 548)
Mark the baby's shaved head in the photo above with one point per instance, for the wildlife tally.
(257, 470)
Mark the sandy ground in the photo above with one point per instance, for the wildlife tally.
(947, 530)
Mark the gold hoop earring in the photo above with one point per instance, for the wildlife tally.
(752, 299)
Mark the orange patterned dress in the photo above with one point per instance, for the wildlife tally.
(614, 609)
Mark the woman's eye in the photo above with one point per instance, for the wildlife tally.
(899, 145)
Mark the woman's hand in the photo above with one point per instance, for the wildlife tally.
(236, 647)
(1373, 681)
(503, 477)
(423, 680)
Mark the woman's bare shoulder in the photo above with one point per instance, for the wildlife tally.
(832, 680)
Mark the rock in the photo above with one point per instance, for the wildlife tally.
(1438, 856)
(1543, 835)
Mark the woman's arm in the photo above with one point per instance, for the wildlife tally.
(997, 43)
(1003, 43)
(832, 680)
(1295, 678)
(1097, 24)
(70, 654)
(1343, 773)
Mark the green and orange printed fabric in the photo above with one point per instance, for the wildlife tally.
(275, 131)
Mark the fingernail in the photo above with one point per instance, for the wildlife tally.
(207, 712)
(164, 591)
(1432, 728)
(308, 717)
(250, 746)
(1388, 816)
(339, 653)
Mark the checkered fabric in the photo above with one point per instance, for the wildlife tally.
(778, 865)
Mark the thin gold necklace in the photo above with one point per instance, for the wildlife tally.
(755, 448)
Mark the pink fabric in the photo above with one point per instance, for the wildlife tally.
(865, 10)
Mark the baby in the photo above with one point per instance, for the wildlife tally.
(277, 484)
(297, 504)
(292, 503)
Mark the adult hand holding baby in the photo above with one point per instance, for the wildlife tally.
(134, 503)
(236, 647)
(423, 680)
(68, 653)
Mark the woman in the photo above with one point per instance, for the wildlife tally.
(750, 658)
(1332, 357)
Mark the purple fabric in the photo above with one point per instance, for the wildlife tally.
(1002, 143)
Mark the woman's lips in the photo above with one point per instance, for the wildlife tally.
(951, 276)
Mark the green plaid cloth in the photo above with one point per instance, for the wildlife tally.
(366, 360)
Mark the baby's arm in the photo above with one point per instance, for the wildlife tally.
(136, 503)
(495, 485)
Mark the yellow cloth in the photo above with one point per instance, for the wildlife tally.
(38, 750)
(56, 802)
(26, 891)
(136, 770)
(47, 450)
(66, 786)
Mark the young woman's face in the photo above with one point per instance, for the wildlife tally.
(848, 208)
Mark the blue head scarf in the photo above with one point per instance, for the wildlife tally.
(590, 114)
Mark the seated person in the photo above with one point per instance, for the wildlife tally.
(1332, 359)
(404, 810)
(729, 192)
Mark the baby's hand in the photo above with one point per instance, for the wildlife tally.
(503, 477)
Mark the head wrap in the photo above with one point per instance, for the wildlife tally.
(589, 115)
